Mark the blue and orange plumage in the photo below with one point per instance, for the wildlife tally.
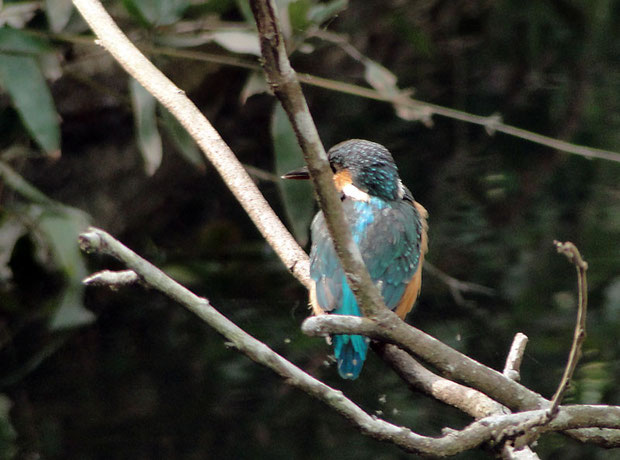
(389, 227)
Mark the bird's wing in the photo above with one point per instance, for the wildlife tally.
(392, 248)
(325, 269)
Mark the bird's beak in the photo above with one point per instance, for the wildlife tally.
(299, 174)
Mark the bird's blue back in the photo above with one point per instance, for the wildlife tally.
(389, 236)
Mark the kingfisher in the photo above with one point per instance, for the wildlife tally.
(390, 229)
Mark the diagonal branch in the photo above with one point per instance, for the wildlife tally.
(468, 400)
(285, 85)
(213, 146)
(492, 123)
(450, 362)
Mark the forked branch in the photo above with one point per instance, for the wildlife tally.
(484, 430)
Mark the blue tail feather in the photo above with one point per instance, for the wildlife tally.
(350, 350)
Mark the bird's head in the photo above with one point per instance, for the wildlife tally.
(361, 169)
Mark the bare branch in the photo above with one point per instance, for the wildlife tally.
(510, 452)
(470, 401)
(454, 365)
(573, 255)
(111, 279)
(515, 356)
(275, 233)
(213, 146)
(450, 362)
(484, 430)
(457, 287)
(285, 85)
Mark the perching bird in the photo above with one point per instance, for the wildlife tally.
(388, 226)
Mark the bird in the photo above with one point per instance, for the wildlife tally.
(390, 229)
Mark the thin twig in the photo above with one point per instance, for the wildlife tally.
(573, 255)
(457, 286)
(213, 146)
(111, 279)
(261, 174)
(520, 449)
(491, 123)
(515, 357)
(512, 371)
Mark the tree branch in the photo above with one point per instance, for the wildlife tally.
(490, 123)
(515, 357)
(213, 146)
(294, 258)
(450, 362)
(468, 400)
(573, 255)
(484, 430)
(285, 85)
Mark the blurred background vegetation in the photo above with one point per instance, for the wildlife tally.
(95, 374)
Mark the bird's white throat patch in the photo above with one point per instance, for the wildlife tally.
(355, 193)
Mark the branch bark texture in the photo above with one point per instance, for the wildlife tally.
(285, 85)
(213, 146)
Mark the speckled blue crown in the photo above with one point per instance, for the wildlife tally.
(371, 166)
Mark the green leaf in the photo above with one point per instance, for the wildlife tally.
(156, 12)
(71, 312)
(147, 134)
(15, 41)
(11, 230)
(238, 41)
(245, 10)
(181, 138)
(22, 79)
(23, 187)
(321, 12)
(297, 195)
(298, 15)
(385, 82)
(58, 13)
(58, 226)
(60, 231)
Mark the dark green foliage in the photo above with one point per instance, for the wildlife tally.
(147, 379)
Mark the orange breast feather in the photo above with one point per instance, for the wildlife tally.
(413, 288)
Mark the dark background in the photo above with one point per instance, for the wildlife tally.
(143, 378)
